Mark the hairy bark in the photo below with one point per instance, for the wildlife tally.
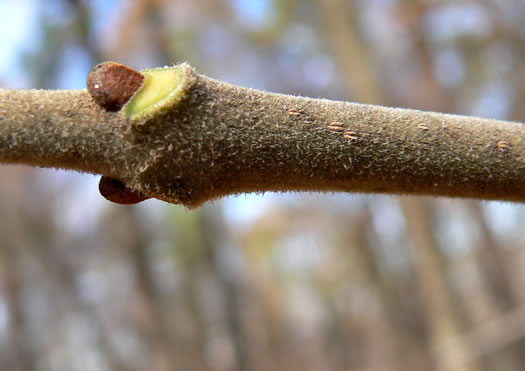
(217, 139)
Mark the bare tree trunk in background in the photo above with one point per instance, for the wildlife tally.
(385, 339)
(496, 268)
(356, 64)
(230, 282)
(19, 354)
(357, 68)
(431, 273)
(35, 247)
(497, 291)
(269, 347)
(212, 299)
(150, 318)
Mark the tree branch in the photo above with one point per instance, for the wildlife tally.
(207, 139)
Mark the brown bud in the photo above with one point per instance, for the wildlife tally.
(116, 191)
(112, 84)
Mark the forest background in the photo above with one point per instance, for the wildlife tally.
(274, 281)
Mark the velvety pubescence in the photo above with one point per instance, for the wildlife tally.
(220, 139)
(207, 139)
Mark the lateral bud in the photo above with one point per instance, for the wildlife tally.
(116, 191)
(112, 84)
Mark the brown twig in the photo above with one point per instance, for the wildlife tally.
(215, 139)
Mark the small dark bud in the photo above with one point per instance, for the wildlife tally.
(112, 84)
(116, 191)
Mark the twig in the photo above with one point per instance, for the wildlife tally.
(205, 139)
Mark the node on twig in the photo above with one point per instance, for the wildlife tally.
(111, 85)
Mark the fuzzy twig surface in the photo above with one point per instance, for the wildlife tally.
(218, 139)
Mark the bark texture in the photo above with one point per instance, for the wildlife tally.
(218, 139)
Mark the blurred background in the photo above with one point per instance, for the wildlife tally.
(273, 281)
